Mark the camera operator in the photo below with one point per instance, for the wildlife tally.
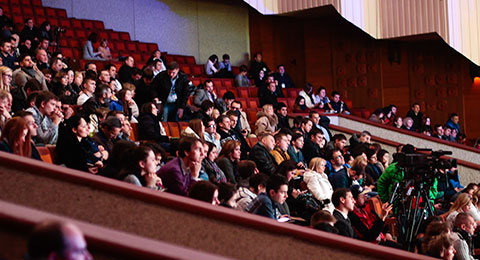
(394, 173)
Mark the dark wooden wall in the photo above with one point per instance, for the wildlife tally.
(331, 52)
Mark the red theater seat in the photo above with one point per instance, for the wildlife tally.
(131, 46)
(243, 101)
(252, 103)
(114, 36)
(39, 11)
(98, 25)
(228, 83)
(253, 92)
(27, 11)
(242, 92)
(16, 10)
(217, 83)
(37, 3)
(167, 130)
(152, 47)
(50, 12)
(65, 22)
(120, 46)
(190, 60)
(186, 69)
(124, 36)
(61, 13)
(198, 70)
(143, 47)
(174, 129)
(87, 24)
(76, 23)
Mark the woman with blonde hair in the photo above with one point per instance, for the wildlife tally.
(228, 159)
(461, 204)
(267, 121)
(16, 137)
(5, 107)
(6, 76)
(195, 129)
(317, 182)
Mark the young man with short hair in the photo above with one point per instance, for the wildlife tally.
(179, 174)
(344, 203)
(336, 105)
(47, 118)
(281, 146)
(464, 229)
(266, 203)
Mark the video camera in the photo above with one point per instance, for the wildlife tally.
(425, 166)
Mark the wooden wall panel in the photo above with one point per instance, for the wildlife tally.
(371, 73)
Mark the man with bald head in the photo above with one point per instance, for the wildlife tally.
(57, 240)
(261, 155)
(42, 59)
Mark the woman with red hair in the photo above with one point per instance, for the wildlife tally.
(16, 137)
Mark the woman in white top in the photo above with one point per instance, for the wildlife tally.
(210, 68)
(317, 182)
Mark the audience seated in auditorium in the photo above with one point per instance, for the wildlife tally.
(239, 135)
(242, 123)
(336, 105)
(224, 129)
(321, 123)
(341, 176)
(258, 65)
(118, 157)
(464, 229)
(112, 69)
(281, 146)
(211, 65)
(16, 137)
(268, 95)
(408, 124)
(377, 116)
(62, 89)
(308, 96)
(313, 146)
(123, 103)
(100, 99)
(88, 89)
(344, 203)
(7, 59)
(6, 76)
(47, 117)
(173, 97)
(126, 129)
(228, 159)
(56, 65)
(143, 88)
(179, 174)
(318, 183)
(32, 127)
(299, 105)
(266, 204)
(416, 115)
(20, 95)
(204, 191)
(76, 150)
(157, 55)
(225, 64)
(366, 223)
(149, 126)
(283, 79)
(104, 50)
(108, 134)
(224, 103)
(282, 115)
(241, 80)
(453, 122)
(261, 155)
(266, 120)
(205, 93)
(320, 98)
(210, 134)
(27, 71)
(256, 184)
(210, 167)
(30, 32)
(295, 150)
(140, 169)
(57, 240)
(126, 70)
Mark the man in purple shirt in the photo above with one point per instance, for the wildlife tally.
(180, 173)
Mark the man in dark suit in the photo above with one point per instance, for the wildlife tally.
(344, 203)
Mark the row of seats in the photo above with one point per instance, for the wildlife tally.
(22, 2)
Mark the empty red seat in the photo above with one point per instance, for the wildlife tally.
(174, 129)
(15, 2)
(103, 35)
(179, 59)
(67, 52)
(198, 70)
(283, 100)
(16, 10)
(167, 130)
(252, 103)
(291, 102)
(76, 53)
(39, 19)
(114, 36)
(24, 2)
(81, 34)
(252, 114)
(39, 11)
(228, 83)
(61, 13)
(152, 47)
(143, 47)
(63, 42)
(18, 19)
(186, 68)
(217, 83)
(131, 46)
(221, 91)
(87, 24)
(124, 36)
(138, 58)
(190, 60)
(235, 70)
(27, 11)
(196, 81)
(243, 101)
(293, 92)
(50, 12)
(74, 43)
(65, 22)
(253, 92)
(242, 92)
(53, 21)
(98, 25)
(76, 23)
(70, 33)
(37, 3)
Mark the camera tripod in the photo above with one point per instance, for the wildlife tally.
(412, 206)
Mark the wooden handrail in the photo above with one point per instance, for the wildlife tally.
(113, 242)
(204, 209)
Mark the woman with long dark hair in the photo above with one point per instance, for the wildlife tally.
(214, 172)
(88, 52)
(141, 169)
(228, 159)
